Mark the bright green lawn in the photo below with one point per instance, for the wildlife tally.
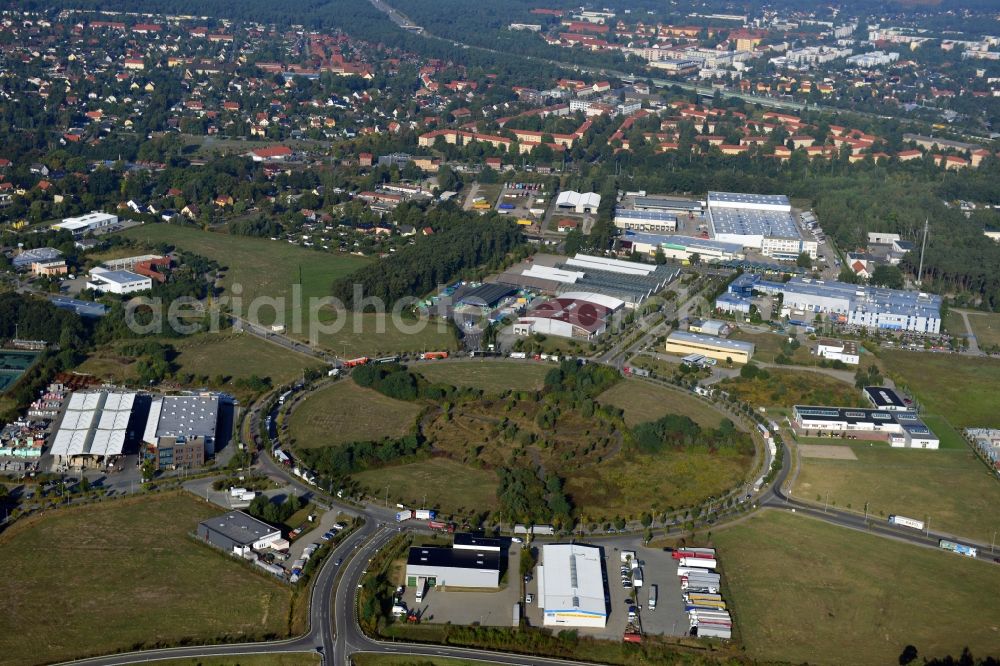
(450, 485)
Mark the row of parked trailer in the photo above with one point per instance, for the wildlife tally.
(707, 612)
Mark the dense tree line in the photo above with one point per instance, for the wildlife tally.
(337, 462)
(574, 382)
(675, 431)
(461, 242)
(525, 496)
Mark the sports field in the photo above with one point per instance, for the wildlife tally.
(345, 412)
(644, 401)
(951, 488)
(452, 485)
(491, 376)
(961, 389)
(805, 591)
(262, 272)
(124, 574)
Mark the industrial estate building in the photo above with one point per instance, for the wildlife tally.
(180, 431)
(650, 221)
(844, 351)
(902, 429)
(239, 533)
(840, 302)
(684, 343)
(571, 586)
(118, 282)
(94, 428)
(884, 398)
(468, 564)
(762, 222)
(572, 315)
(580, 202)
(680, 248)
(627, 281)
(85, 224)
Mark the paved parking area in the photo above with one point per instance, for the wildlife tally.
(660, 569)
(458, 606)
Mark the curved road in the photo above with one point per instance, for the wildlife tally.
(333, 627)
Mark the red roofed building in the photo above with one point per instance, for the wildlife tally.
(271, 153)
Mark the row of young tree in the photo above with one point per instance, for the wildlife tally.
(461, 242)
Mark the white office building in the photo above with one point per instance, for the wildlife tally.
(85, 224)
(118, 282)
(870, 307)
(648, 221)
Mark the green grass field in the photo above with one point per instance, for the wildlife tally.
(229, 354)
(785, 388)
(257, 269)
(345, 412)
(950, 487)
(123, 574)
(628, 484)
(767, 347)
(986, 326)
(804, 591)
(491, 376)
(644, 401)
(959, 388)
(450, 484)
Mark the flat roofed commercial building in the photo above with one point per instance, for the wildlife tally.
(845, 351)
(760, 221)
(902, 429)
(883, 397)
(773, 202)
(180, 430)
(645, 220)
(667, 205)
(464, 540)
(565, 317)
(681, 248)
(454, 567)
(118, 282)
(84, 224)
(571, 586)
(237, 532)
(870, 307)
(683, 343)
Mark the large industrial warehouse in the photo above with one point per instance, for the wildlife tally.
(467, 565)
(627, 281)
(572, 315)
(684, 343)
(760, 221)
(902, 429)
(94, 428)
(571, 586)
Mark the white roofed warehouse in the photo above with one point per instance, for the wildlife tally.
(94, 428)
(571, 586)
(180, 430)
